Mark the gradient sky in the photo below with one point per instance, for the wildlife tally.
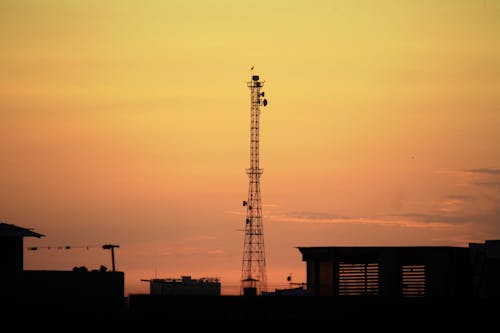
(127, 122)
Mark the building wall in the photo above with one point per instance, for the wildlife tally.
(180, 288)
(486, 269)
(447, 271)
(11, 253)
(326, 278)
(390, 274)
(62, 289)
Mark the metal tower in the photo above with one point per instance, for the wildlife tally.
(253, 268)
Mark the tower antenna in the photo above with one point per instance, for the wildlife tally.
(253, 268)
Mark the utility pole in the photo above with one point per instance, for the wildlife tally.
(112, 248)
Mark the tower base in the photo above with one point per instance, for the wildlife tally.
(250, 291)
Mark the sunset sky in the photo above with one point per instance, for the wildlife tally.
(127, 122)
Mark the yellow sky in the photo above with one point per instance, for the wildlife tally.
(128, 122)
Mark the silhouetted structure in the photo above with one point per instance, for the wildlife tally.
(11, 246)
(112, 248)
(350, 285)
(407, 272)
(292, 291)
(485, 260)
(76, 290)
(362, 285)
(184, 286)
(253, 268)
(25, 291)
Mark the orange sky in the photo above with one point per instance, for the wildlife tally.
(128, 122)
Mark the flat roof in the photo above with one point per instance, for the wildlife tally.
(372, 251)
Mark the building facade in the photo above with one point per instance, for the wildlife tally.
(427, 271)
(185, 286)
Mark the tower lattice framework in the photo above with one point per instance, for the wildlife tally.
(253, 270)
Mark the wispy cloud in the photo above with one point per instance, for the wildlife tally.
(405, 220)
(490, 184)
(459, 197)
(474, 202)
(488, 181)
(316, 216)
(453, 203)
(485, 171)
(424, 218)
(480, 206)
(193, 245)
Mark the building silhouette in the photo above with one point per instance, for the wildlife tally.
(404, 272)
(184, 286)
(30, 291)
(380, 286)
(11, 246)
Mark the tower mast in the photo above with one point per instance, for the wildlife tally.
(253, 269)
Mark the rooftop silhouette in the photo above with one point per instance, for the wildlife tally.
(344, 284)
